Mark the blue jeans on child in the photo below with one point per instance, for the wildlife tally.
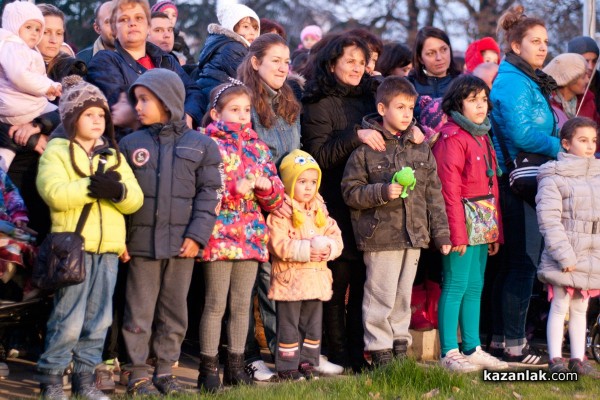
(80, 318)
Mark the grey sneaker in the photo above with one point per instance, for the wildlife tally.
(105, 380)
(558, 364)
(583, 367)
(90, 392)
(53, 392)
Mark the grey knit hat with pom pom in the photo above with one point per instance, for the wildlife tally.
(77, 96)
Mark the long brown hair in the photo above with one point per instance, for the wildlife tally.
(288, 107)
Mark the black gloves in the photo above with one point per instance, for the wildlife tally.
(106, 185)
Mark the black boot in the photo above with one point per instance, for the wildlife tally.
(83, 385)
(400, 348)
(52, 387)
(381, 357)
(208, 379)
(234, 373)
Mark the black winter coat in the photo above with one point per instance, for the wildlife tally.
(115, 71)
(221, 55)
(178, 170)
(329, 134)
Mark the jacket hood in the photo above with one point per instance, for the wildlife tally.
(5, 34)
(167, 86)
(569, 165)
(216, 29)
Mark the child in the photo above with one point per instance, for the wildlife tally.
(225, 47)
(239, 239)
(300, 280)
(568, 220)
(16, 239)
(467, 165)
(309, 36)
(24, 87)
(178, 170)
(74, 172)
(481, 51)
(389, 229)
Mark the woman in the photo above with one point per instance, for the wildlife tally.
(276, 118)
(114, 71)
(337, 97)
(433, 63)
(571, 99)
(395, 59)
(523, 116)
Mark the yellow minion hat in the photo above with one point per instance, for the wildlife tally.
(290, 169)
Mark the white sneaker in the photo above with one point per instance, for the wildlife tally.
(259, 371)
(485, 360)
(328, 368)
(456, 362)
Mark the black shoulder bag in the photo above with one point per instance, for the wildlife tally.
(61, 257)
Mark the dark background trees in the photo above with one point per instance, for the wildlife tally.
(465, 20)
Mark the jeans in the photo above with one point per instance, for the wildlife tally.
(267, 313)
(81, 316)
(519, 257)
(460, 300)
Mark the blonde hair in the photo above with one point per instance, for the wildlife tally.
(120, 4)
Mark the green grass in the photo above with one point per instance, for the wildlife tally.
(408, 380)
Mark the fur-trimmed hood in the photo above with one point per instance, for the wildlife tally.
(216, 29)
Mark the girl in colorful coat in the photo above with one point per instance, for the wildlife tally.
(300, 280)
(570, 222)
(85, 168)
(239, 239)
(468, 169)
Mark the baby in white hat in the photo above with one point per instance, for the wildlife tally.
(25, 90)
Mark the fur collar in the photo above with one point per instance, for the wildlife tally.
(216, 29)
(294, 76)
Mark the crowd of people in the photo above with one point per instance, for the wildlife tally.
(352, 188)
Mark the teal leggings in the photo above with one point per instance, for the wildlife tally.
(461, 297)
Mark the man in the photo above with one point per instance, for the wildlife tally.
(161, 31)
(106, 40)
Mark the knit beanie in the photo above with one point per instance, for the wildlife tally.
(313, 30)
(583, 44)
(431, 112)
(566, 67)
(17, 13)
(474, 56)
(292, 165)
(164, 5)
(230, 14)
(77, 96)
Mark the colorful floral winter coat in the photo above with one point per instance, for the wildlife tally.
(241, 232)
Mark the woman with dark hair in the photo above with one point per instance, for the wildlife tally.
(275, 117)
(524, 120)
(338, 95)
(433, 63)
(395, 59)
(374, 44)
(270, 26)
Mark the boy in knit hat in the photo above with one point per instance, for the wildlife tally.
(167, 7)
(309, 36)
(225, 47)
(84, 168)
(24, 87)
(300, 280)
(179, 172)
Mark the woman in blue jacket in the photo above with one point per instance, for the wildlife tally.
(525, 121)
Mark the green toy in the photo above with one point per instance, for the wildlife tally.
(406, 178)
